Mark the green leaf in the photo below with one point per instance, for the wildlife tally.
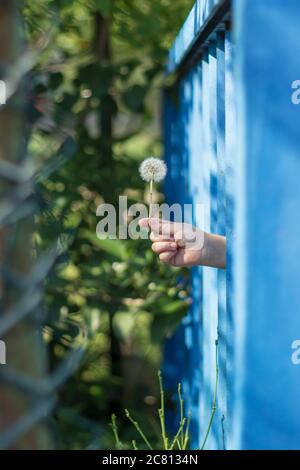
(168, 308)
(116, 248)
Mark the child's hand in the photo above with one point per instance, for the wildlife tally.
(182, 245)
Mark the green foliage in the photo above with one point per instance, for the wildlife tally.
(180, 440)
(96, 91)
(182, 437)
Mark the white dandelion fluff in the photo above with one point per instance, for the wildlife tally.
(153, 169)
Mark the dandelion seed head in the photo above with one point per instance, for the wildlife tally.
(153, 169)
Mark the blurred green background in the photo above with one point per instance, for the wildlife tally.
(96, 106)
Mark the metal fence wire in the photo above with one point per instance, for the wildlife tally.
(28, 390)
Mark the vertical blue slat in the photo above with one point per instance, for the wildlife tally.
(221, 229)
(176, 359)
(230, 152)
(190, 113)
(209, 199)
(268, 250)
(184, 363)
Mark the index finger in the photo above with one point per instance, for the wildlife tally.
(158, 226)
(162, 227)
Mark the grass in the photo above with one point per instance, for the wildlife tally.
(181, 439)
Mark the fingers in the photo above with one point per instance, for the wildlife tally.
(176, 237)
(166, 251)
(158, 226)
(166, 230)
(167, 257)
(160, 229)
(162, 247)
(165, 235)
(163, 228)
(179, 239)
(160, 238)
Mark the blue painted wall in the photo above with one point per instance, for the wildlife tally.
(232, 143)
(268, 222)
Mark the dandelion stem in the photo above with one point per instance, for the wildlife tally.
(139, 430)
(214, 405)
(151, 199)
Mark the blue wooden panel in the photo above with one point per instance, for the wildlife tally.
(267, 320)
(195, 148)
(209, 198)
(183, 354)
(220, 423)
(247, 178)
(230, 189)
(196, 19)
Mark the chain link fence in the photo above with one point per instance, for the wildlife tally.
(28, 390)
